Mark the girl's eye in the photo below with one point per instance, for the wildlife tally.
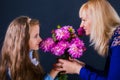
(36, 36)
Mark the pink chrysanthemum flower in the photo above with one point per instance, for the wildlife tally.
(77, 41)
(75, 51)
(76, 48)
(59, 48)
(62, 33)
(47, 44)
(70, 29)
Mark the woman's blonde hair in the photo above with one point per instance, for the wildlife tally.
(15, 51)
(104, 21)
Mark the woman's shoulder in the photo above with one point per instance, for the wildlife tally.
(117, 31)
(116, 37)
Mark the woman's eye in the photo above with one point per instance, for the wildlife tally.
(83, 20)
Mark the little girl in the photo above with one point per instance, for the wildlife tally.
(19, 56)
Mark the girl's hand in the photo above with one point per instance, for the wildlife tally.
(53, 73)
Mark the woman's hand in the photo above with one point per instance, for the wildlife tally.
(71, 66)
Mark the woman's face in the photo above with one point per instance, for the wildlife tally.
(85, 22)
(35, 39)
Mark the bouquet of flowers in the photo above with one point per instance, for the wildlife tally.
(64, 43)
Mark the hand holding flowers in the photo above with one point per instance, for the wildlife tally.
(64, 43)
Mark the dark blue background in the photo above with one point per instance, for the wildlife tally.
(51, 13)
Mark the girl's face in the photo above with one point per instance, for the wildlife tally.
(85, 22)
(35, 39)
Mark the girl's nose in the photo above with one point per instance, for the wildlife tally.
(40, 39)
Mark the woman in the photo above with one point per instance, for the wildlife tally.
(101, 22)
(20, 59)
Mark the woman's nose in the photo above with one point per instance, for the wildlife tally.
(81, 25)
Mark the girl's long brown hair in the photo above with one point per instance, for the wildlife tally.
(15, 52)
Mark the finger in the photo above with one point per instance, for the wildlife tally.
(59, 69)
(77, 60)
(80, 62)
(57, 65)
(61, 61)
(71, 59)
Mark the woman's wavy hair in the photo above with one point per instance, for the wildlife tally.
(15, 52)
(104, 20)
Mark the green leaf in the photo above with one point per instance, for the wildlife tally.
(54, 38)
(63, 77)
(58, 26)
